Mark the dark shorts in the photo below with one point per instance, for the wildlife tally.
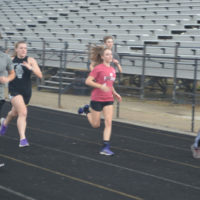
(25, 97)
(99, 105)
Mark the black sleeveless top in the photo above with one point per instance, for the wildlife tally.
(22, 82)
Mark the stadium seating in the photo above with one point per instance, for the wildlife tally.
(79, 22)
(93, 19)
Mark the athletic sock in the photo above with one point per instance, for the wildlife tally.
(106, 144)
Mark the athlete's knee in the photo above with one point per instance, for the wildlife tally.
(23, 113)
(108, 122)
(95, 124)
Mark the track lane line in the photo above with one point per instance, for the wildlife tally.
(118, 166)
(118, 148)
(157, 131)
(71, 177)
(126, 150)
(128, 137)
(16, 193)
(120, 136)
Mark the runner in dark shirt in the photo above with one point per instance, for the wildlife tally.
(20, 90)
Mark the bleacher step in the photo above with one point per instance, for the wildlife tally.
(66, 73)
(56, 82)
(64, 78)
(48, 87)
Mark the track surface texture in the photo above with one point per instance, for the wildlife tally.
(63, 161)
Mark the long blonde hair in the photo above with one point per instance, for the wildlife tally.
(16, 46)
(95, 54)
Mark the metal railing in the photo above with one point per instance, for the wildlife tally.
(174, 61)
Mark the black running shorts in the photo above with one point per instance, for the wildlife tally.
(99, 105)
(25, 97)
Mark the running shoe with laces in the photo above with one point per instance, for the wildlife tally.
(195, 151)
(3, 128)
(106, 151)
(23, 143)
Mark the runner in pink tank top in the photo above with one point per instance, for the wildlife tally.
(101, 78)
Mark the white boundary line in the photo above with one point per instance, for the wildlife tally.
(16, 193)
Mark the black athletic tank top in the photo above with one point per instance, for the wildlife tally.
(22, 82)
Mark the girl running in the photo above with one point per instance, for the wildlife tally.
(101, 78)
(20, 90)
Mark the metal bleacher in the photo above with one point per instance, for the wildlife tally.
(132, 23)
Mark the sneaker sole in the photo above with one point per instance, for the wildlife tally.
(2, 119)
(2, 165)
(194, 153)
(106, 154)
(24, 145)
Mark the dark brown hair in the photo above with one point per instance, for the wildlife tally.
(107, 38)
(95, 54)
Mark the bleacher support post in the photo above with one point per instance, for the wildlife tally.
(175, 73)
(63, 63)
(88, 58)
(43, 57)
(65, 54)
(143, 73)
(194, 95)
(60, 79)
